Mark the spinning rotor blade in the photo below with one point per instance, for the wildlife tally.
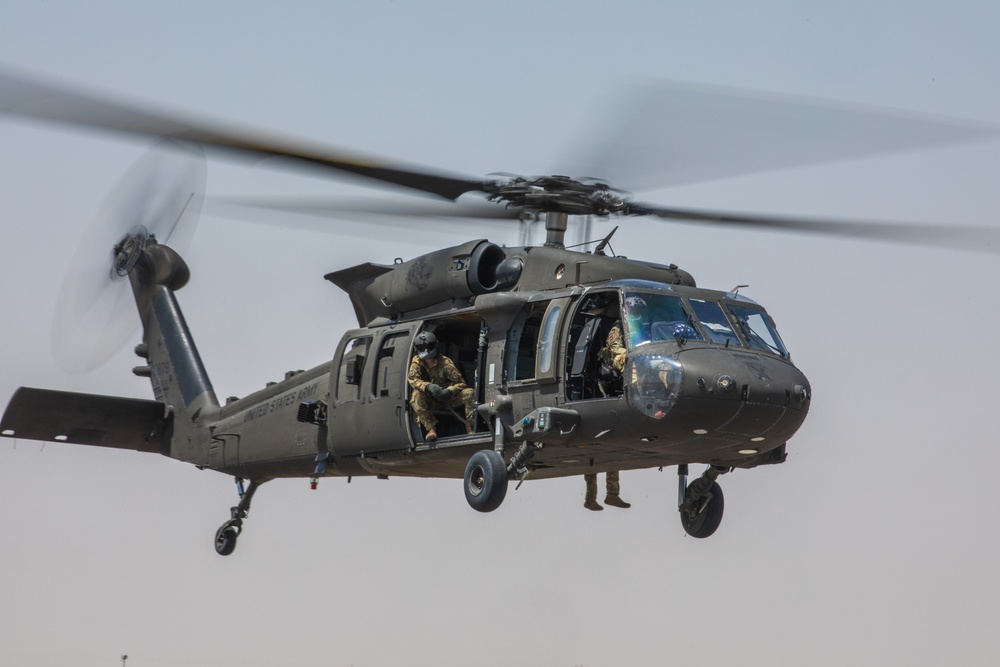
(943, 236)
(669, 133)
(31, 99)
(959, 237)
(375, 206)
(378, 215)
(674, 134)
(161, 195)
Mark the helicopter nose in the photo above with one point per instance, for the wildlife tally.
(748, 377)
(742, 398)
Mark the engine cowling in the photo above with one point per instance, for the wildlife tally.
(456, 273)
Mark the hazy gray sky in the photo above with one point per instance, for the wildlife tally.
(874, 544)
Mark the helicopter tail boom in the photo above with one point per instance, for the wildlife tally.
(174, 367)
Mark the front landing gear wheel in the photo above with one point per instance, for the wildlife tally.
(704, 517)
(485, 480)
(225, 538)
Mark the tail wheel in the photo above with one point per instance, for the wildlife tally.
(485, 480)
(704, 519)
(225, 539)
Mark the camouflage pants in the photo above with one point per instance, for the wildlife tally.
(423, 407)
(613, 486)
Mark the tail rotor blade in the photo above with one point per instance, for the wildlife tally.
(95, 312)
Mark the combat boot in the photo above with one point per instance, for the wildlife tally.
(614, 487)
(431, 435)
(592, 504)
(590, 500)
(616, 501)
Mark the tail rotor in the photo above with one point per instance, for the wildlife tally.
(160, 197)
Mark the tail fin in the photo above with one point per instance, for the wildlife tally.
(174, 366)
(185, 402)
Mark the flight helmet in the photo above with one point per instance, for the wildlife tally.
(425, 344)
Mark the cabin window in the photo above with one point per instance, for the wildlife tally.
(352, 365)
(522, 343)
(714, 322)
(757, 329)
(548, 340)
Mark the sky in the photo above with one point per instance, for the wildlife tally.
(872, 545)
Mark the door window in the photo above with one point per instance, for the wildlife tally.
(352, 365)
(390, 364)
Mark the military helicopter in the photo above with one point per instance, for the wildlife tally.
(706, 378)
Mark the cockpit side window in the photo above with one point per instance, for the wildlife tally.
(757, 329)
(714, 322)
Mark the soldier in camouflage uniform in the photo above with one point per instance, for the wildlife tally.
(613, 355)
(436, 384)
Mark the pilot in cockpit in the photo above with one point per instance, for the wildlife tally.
(613, 353)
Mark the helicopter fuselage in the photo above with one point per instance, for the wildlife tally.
(706, 392)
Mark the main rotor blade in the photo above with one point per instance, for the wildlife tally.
(376, 206)
(380, 217)
(983, 239)
(29, 98)
(669, 133)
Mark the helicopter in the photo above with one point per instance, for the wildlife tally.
(706, 380)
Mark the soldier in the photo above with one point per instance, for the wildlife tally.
(613, 355)
(437, 384)
(613, 490)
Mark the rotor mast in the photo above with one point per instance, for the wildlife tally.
(556, 224)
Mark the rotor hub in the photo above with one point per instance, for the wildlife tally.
(128, 251)
(558, 194)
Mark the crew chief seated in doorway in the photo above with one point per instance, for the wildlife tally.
(436, 384)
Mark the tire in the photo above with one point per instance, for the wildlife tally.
(485, 480)
(225, 540)
(707, 522)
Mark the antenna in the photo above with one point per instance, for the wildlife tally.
(599, 250)
(736, 290)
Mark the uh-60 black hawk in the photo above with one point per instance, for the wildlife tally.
(706, 380)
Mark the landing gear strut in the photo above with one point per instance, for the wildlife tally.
(225, 537)
(701, 503)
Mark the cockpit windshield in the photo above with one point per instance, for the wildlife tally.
(714, 322)
(757, 329)
(651, 317)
